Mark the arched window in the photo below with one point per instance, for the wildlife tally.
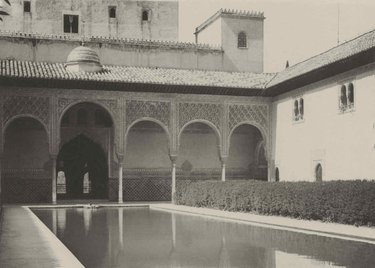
(296, 110)
(277, 174)
(112, 12)
(351, 93)
(242, 40)
(145, 15)
(343, 98)
(301, 107)
(318, 172)
(82, 117)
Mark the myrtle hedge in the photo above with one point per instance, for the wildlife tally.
(349, 202)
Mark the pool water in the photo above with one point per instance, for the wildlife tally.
(142, 237)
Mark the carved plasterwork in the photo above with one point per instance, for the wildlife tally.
(211, 112)
(26, 105)
(159, 110)
(258, 114)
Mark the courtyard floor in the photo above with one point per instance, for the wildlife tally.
(26, 242)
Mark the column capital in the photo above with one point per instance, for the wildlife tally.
(120, 157)
(173, 158)
(223, 159)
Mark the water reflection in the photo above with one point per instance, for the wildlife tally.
(135, 237)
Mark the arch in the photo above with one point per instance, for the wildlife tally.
(343, 96)
(74, 103)
(146, 14)
(318, 173)
(351, 93)
(149, 119)
(256, 125)
(10, 120)
(211, 125)
(277, 174)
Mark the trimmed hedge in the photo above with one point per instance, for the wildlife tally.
(349, 202)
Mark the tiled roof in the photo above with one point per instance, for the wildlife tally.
(112, 40)
(145, 75)
(338, 53)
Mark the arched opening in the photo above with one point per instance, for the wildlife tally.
(27, 168)
(247, 154)
(86, 152)
(318, 172)
(147, 167)
(277, 174)
(85, 168)
(198, 156)
(242, 40)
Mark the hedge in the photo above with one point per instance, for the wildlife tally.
(348, 202)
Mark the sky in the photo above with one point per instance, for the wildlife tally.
(294, 30)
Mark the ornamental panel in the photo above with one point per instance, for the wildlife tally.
(136, 109)
(36, 106)
(248, 113)
(195, 111)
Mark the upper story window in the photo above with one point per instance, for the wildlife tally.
(242, 40)
(298, 110)
(146, 14)
(70, 23)
(112, 12)
(346, 99)
(26, 6)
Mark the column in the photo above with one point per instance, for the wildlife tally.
(223, 160)
(1, 169)
(120, 187)
(54, 194)
(173, 160)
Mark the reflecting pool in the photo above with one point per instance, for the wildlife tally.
(142, 237)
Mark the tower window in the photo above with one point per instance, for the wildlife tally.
(346, 97)
(299, 109)
(26, 6)
(145, 15)
(112, 12)
(319, 172)
(70, 23)
(242, 40)
(277, 174)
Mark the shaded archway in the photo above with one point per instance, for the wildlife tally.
(82, 156)
(247, 154)
(86, 155)
(199, 154)
(27, 169)
(147, 167)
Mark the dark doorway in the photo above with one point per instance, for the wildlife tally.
(82, 156)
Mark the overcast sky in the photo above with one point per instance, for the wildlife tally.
(294, 30)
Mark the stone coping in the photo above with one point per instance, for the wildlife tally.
(335, 230)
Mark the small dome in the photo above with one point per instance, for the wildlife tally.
(83, 59)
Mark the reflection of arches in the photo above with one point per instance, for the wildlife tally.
(26, 164)
(79, 156)
(318, 172)
(247, 157)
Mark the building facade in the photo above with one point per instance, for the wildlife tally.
(126, 119)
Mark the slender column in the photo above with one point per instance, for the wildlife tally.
(223, 162)
(120, 187)
(1, 169)
(173, 160)
(54, 192)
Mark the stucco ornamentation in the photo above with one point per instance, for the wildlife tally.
(137, 109)
(31, 105)
(211, 112)
(248, 113)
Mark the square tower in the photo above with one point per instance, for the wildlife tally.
(240, 35)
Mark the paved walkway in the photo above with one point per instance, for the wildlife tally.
(26, 242)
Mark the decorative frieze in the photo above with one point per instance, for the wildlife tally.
(255, 113)
(26, 105)
(212, 112)
(137, 109)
